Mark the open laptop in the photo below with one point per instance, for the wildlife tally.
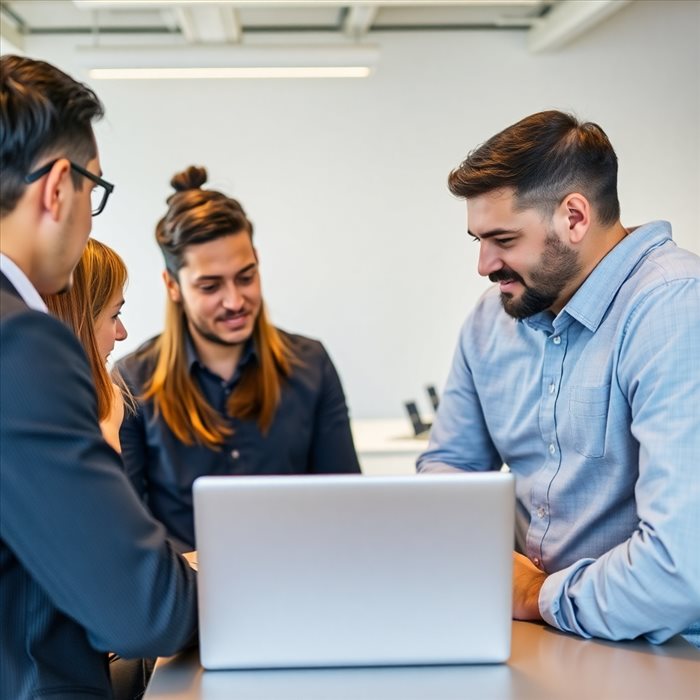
(352, 570)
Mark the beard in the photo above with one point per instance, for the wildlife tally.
(557, 266)
(212, 337)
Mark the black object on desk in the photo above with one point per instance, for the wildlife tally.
(420, 428)
(433, 396)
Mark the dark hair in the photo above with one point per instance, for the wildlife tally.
(543, 158)
(43, 112)
(196, 216)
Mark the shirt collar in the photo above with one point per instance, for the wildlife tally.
(193, 359)
(592, 299)
(21, 283)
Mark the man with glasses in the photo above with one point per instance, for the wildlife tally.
(99, 192)
(84, 569)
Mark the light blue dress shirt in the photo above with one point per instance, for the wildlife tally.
(597, 413)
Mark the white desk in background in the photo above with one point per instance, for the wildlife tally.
(386, 446)
(545, 665)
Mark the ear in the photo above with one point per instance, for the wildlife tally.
(576, 210)
(172, 286)
(58, 189)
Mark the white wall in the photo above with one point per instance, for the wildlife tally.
(361, 244)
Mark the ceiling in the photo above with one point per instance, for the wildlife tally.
(550, 23)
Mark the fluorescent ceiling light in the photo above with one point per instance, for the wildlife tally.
(217, 73)
(141, 4)
(203, 61)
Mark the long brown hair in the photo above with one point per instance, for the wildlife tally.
(197, 216)
(99, 275)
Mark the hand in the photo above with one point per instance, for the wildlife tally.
(110, 425)
(527, 582)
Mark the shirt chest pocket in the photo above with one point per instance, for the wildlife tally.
(588, 419)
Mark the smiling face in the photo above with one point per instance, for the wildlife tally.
(523, 252)
(219, 289)
(108, 325)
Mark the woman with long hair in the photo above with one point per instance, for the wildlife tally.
(91, 308)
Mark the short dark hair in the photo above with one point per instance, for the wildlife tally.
(196, 216)
(543, 158)
(43, 112)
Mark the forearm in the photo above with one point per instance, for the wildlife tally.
(626, 593)
(431, 467)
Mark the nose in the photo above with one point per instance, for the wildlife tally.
(489, 261)
(233, 299)
(121, 330)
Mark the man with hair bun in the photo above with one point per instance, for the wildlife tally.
(84, 568)
(580, 370)
(221, 390)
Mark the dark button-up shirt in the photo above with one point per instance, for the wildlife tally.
(310, 433)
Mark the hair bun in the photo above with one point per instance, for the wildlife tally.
(191, 178)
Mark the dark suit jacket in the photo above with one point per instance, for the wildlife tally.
(84, 569)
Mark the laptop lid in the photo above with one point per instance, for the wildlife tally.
(352, 570)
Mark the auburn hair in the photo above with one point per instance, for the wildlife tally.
(198, 216)
(99, 275)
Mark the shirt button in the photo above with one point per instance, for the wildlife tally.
(556, 340)
(552, 449)
(541, 512)
(536, 561)
(235, 454)
(551, 388)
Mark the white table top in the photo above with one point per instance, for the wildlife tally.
(386, 436)
(545, 665)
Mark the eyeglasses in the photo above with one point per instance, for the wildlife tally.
(98, 195)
